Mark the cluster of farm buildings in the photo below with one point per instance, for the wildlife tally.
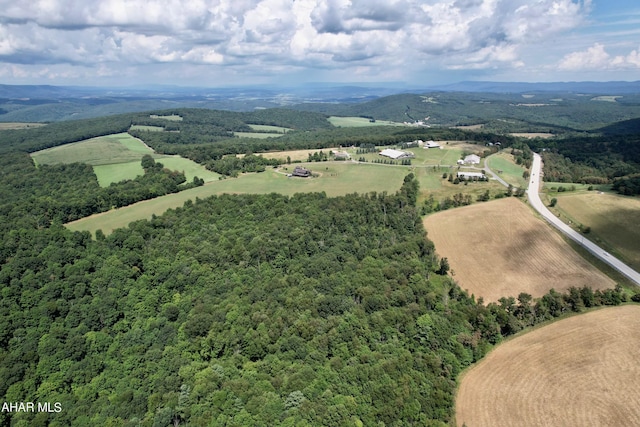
(471, 159)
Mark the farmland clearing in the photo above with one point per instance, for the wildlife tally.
(578, 371)
(346, 122)
(613, 220)
(505, 166)
(500, 249)
(17, 125)
(117, 157)
(335, 178)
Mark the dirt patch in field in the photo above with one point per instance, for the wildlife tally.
(499, 249)
(580, 371)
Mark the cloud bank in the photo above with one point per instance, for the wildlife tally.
(368, 39)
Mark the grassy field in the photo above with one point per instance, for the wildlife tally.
(148, 128)
(269, 128)
(117, 172)
(259, 135)
(117, 157)
(511, 172)
(173, 117)
(349, 122)
(543, 135)
(580, 371)
(613, 220)
(500, 248)
(14, 125)
(336, 178)
(104, 150)
(302, 155)
(188, 167)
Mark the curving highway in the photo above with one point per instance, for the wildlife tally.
(534, 199)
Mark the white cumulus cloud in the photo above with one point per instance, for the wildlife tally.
(597, 58)
(268, 36)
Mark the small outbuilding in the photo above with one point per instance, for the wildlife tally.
(341, 155)
(471, 175)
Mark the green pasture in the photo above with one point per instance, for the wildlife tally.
(172, 117)
(551, 187)
(349, 122)
(188, 167)
(269, 128)
(511, 172)
(103, 150)
(334, 178)
(117, 157)
(147, 128)
(116, 172)
(260, 135)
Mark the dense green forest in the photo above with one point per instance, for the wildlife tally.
(499, 112)
(248, 310)
(610, 156)
(236, 310)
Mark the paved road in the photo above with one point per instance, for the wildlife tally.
(490, 172)
(534, 199)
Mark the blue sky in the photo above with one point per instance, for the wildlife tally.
(236, 42)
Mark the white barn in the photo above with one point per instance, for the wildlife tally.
(472, 159)
(395, 154)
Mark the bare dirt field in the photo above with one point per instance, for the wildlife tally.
(580, 371)
(500, 248)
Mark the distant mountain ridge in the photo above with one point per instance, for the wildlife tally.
(609, 88)
(453, 104)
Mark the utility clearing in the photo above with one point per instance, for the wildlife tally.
(580, 371)
(500, 249)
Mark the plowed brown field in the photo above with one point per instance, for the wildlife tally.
(500, 249)
(580, 371)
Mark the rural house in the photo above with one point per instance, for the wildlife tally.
(301, 172)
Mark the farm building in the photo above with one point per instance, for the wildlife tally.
(396, 154)
(431, 144)
(341, 155)
(472, 159)
(301, 172)
(471, 175)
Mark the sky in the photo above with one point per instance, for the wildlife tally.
(215, 43)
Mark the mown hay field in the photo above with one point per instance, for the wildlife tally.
(500, 249)
(579, 371)
(103, 150)
(504, 165)
(613, 220)
(117, 157)
(335, 179)
(19, 125)
(270, 128)
(346, 122)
